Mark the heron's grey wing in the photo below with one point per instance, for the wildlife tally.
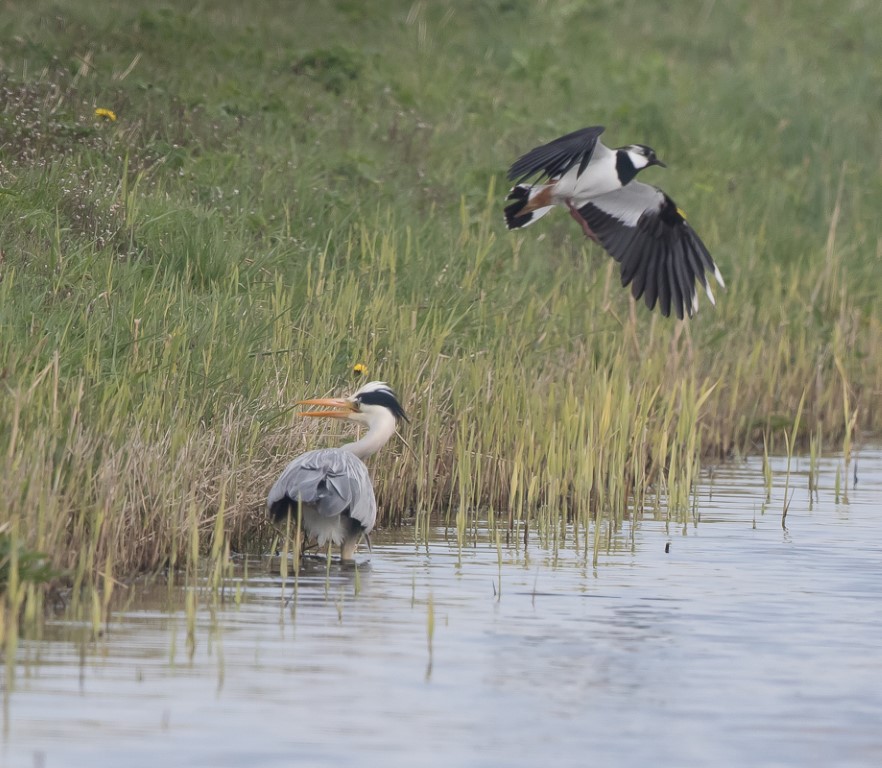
(661, 256)
(330, 481)
(363, 506)
(557, 157)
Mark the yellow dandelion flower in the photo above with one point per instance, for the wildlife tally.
(359, 369)
(107, 114)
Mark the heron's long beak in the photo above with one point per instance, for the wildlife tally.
(346, 408)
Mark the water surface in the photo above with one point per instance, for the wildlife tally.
(747, 643)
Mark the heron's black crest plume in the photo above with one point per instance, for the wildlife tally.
(384, 397)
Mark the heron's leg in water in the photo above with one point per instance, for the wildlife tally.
(348, 547)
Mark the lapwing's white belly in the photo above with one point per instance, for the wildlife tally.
(597, 179)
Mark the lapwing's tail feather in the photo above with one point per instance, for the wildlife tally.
(515, 216)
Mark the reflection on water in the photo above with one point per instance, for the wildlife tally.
(745, 644)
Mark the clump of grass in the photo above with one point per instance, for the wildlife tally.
(24, 574)
(20, 566)
(333, 67)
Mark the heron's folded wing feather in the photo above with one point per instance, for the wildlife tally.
(364, 504)
(328, 479)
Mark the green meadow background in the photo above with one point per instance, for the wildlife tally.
(290, 188)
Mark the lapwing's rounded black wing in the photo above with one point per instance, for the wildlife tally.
(661, 256)
(556, 158)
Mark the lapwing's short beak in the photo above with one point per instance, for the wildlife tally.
(346, 409)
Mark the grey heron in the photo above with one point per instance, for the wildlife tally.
(659, 253)
(330, 487)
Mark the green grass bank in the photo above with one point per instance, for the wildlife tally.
(291, 188)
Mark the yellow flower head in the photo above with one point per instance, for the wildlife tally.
(107, 114)
(359, 369)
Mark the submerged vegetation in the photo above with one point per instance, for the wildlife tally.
(208, 213)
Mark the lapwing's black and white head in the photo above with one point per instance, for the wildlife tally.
(632, 159)
(642, 156)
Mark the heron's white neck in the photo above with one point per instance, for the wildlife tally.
(380, 428)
